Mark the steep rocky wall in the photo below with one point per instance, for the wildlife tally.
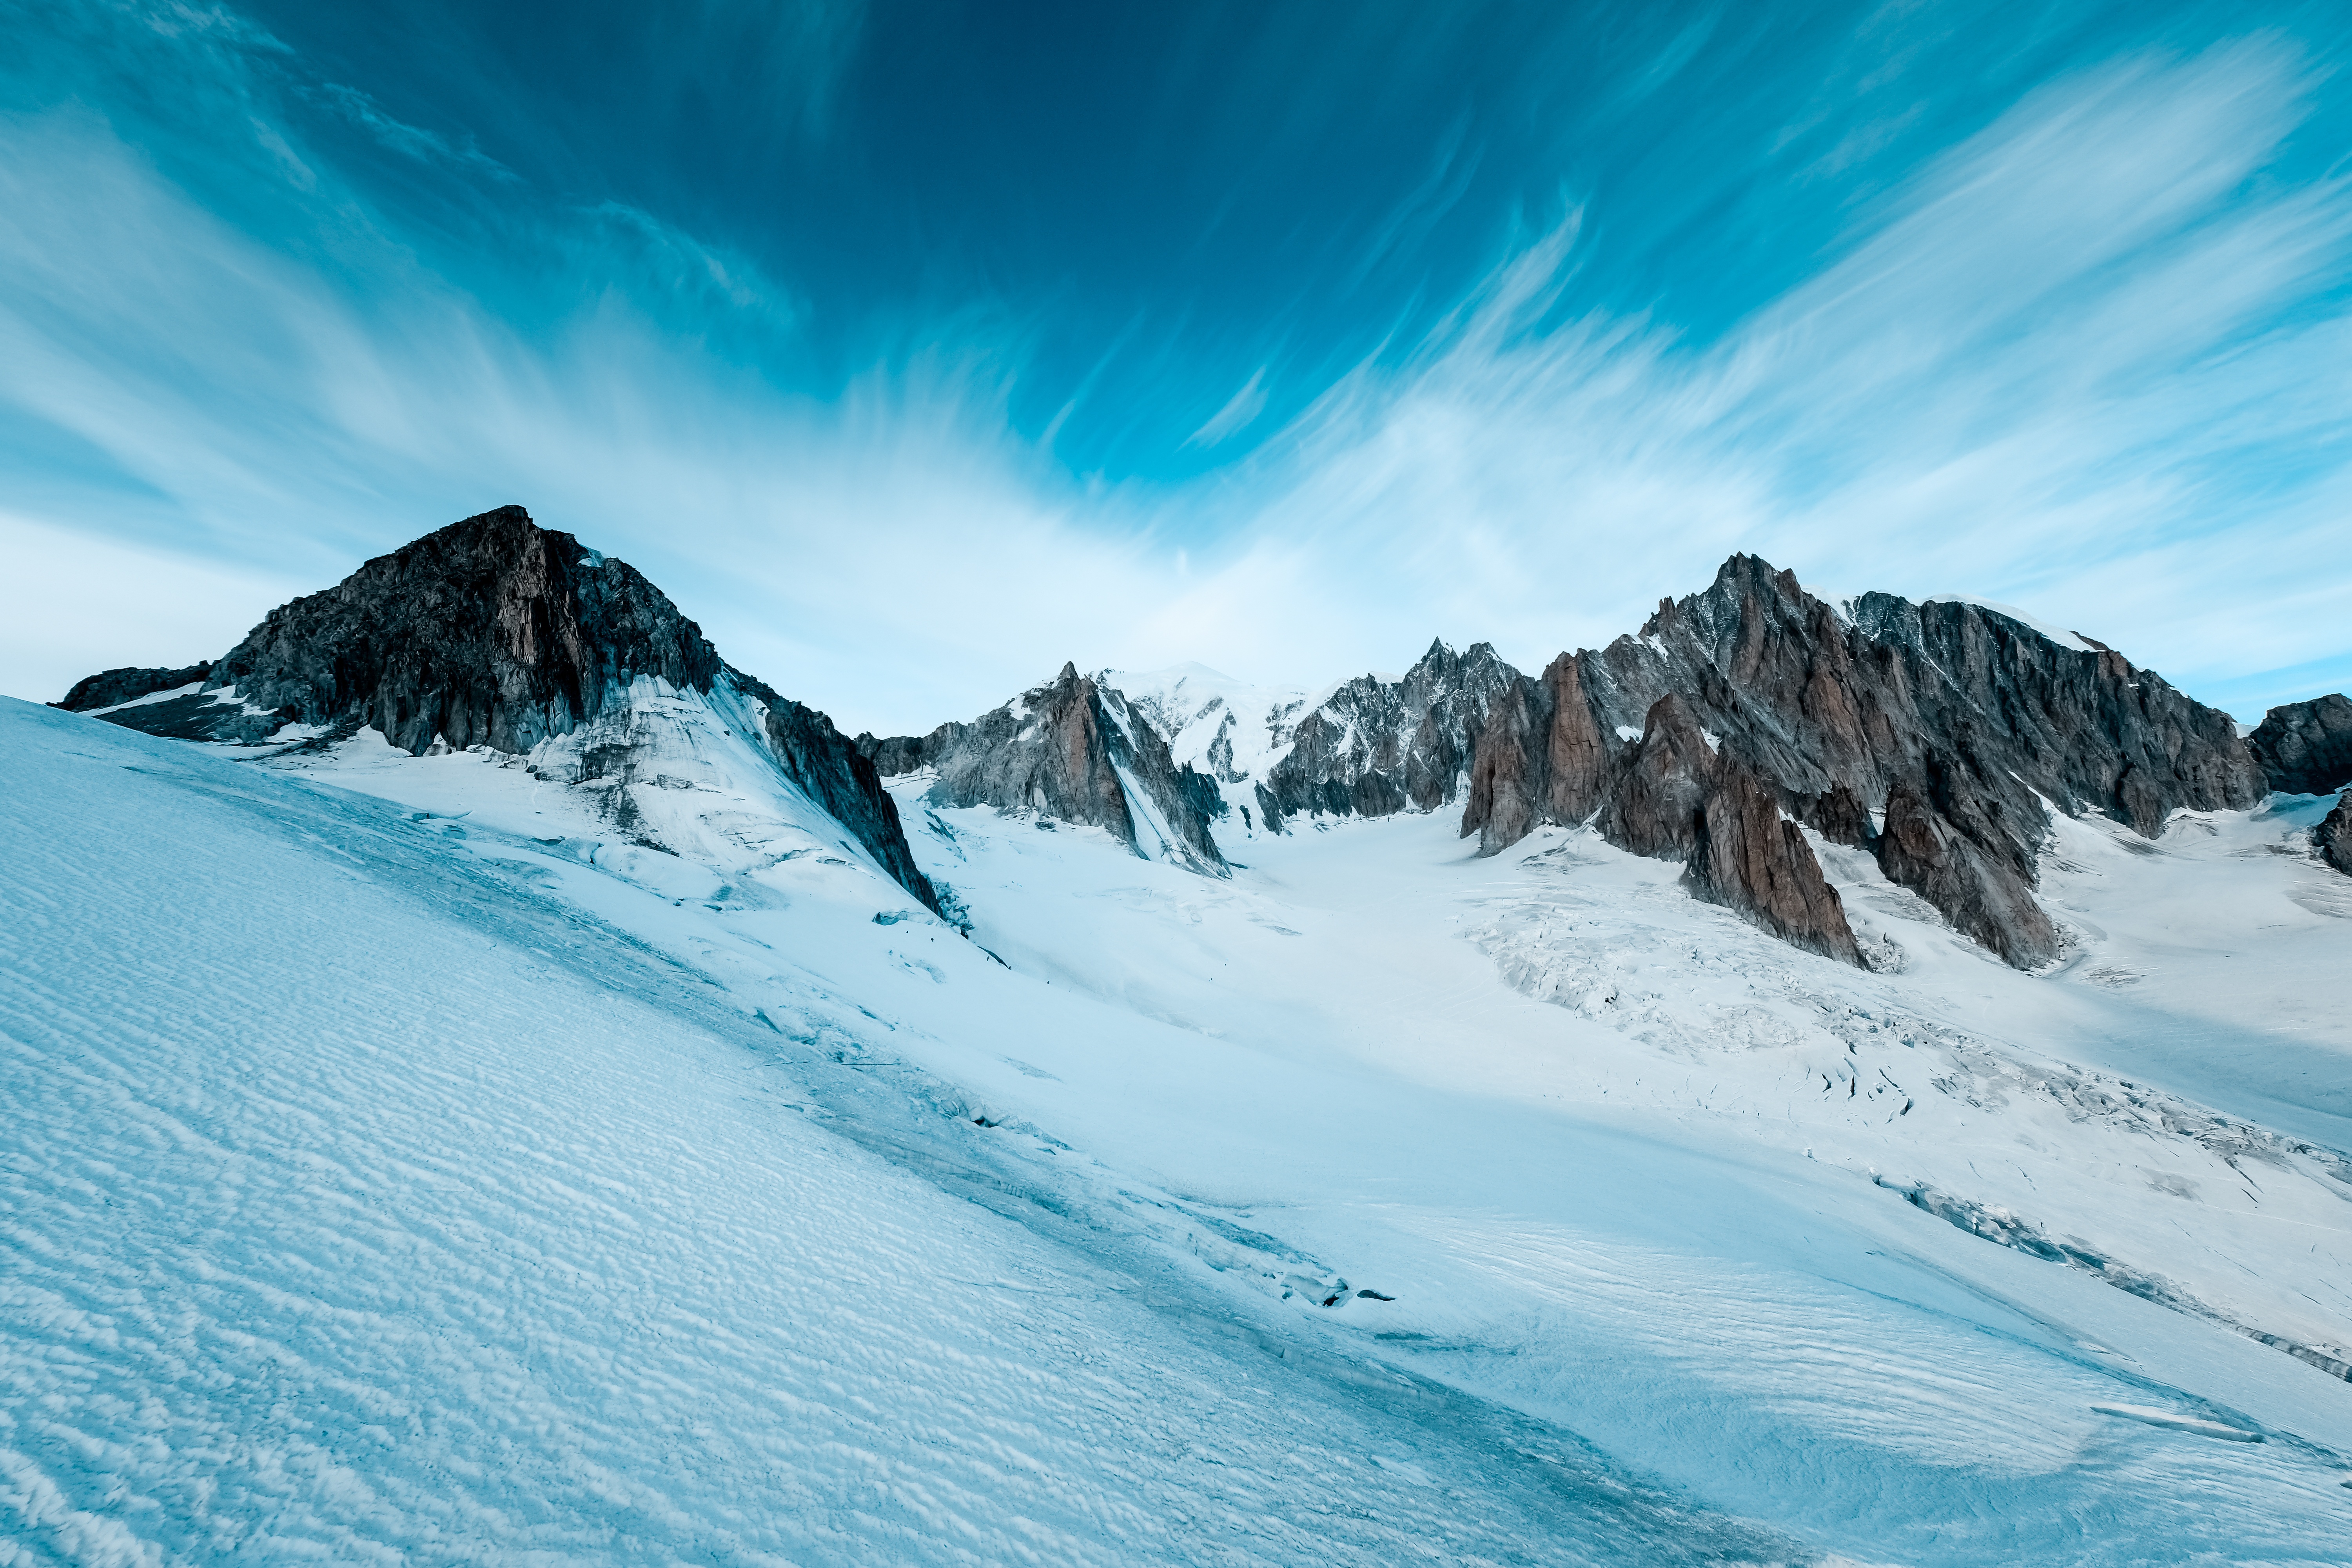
(826, 765)
(2306, 748)
(1374, 747)
(2333, 837)
(492, 631)
(1750, 858)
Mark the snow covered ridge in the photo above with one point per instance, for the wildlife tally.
(1938, 737)
(622, 1162)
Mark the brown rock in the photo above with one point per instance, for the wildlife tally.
(1656, 804)
(1068, 750)
(1839, 815)
(1977, 892)
(1577, 750)
(1750, 861)
(1505, 800)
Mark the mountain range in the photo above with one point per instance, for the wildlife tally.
(1939, 737)
(1814, 1080)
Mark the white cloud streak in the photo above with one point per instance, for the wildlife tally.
(2088, 362)
(2085, 363)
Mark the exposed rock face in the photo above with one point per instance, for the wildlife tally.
(1978, 715)
(1977, 890)
(1672, 795)
(1663, 787)
(114, 686)
(491, 631)
(1374, 747)
(2305, 747)
(826, 765)
(1749, 859)
(2333, 837)
(1074, 750)
(497, 632)
(1549, 760)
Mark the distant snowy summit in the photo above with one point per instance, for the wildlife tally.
(1738, 725)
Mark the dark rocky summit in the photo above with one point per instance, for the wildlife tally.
(112, 687)
(2306, 748)
(1952, 721)
(495, 632)
(1074, 750)
(1934, 736)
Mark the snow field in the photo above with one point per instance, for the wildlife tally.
(1643, 1285)
(364, 1205)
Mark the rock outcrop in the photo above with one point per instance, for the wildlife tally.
(1979, 717)
(2306, 748)
(1549, 760)
(1675, 796)
(1976, 886)
(111, 688)
(1374, 746)
(827, 766)
(497, 632)
(1074, 750)
(1750, 858)
(2333, 837)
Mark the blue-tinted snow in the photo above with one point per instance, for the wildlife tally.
(473, 1190)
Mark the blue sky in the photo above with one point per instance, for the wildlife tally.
(915, 350)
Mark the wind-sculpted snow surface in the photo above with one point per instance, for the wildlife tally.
(1505, 1153)
(369, 1199)
(466, 1180)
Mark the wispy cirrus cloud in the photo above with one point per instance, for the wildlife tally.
(2091, 358)
(412, 141)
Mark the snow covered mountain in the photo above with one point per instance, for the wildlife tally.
(1939, 737)
(497, 636)
(1460, 1117)
(1074, 750)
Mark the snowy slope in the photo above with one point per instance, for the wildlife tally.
(536, 1191)
(370, 1199)
(1629, 1203)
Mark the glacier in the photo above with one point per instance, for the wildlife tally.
(404, 1164)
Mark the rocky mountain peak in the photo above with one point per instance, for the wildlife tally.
(495, 632)
(1978, 714)
(1374, 747)
(1074, 750)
